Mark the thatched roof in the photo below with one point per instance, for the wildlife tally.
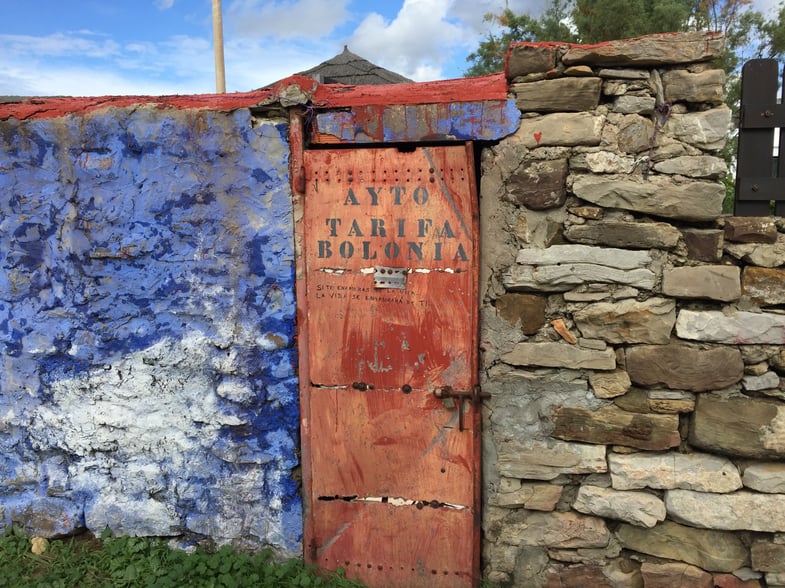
(348, 68)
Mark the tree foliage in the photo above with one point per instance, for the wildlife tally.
(747, 32)
(551, 26)
(774, 35)
(605, 20)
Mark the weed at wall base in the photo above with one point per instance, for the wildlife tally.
(130, 562)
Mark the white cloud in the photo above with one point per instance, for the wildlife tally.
(285, 18)
(416, 43)
(77, 65)
(50, 80)
(46, 66)
(426, 35)
(472, 12)
(81, 44)
(254, 63)
(265, 40)
(426, 72)
(174, 58)
(767, 7)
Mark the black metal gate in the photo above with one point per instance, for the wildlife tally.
(760, 174)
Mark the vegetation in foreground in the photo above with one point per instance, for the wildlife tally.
(89, 562)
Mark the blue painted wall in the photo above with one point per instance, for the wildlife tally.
(147, 327)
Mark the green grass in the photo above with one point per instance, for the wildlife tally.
(130, 562)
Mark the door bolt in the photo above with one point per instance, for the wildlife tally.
(475, 396)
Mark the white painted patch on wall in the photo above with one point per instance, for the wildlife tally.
(145, 433)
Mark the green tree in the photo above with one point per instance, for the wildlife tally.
(606, 20)
(747, 33)
(578, 21)
(489, 56)
(774, 35)
(554, 23)
(737, 22)
(551, 26)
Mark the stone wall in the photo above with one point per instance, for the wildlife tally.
(632, 335)
(147, 325)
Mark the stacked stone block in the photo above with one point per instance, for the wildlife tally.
(632, 333)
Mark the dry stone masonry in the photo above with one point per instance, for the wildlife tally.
(633, 337)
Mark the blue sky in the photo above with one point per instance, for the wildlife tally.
(156, 47)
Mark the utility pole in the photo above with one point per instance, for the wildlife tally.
(218, 42)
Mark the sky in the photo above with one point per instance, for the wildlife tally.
(162, 47)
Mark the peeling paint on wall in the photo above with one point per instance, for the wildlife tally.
(489, 120)
(147, 324)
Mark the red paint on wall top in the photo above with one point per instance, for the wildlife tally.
(290, 91)
(490, 87)
(55, 107)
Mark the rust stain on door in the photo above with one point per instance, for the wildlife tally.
(390, 308)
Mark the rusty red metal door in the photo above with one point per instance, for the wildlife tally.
(390, 423)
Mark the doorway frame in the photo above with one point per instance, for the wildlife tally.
(457, 100)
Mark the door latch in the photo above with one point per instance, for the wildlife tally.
(475, 396)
